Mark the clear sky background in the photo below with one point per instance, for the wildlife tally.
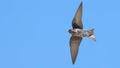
(34, 34)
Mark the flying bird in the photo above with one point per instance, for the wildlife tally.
(78, 33)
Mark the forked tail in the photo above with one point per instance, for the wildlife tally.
(92, 34)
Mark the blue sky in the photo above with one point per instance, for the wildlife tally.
(34, 34)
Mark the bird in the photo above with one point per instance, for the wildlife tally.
(77, 33)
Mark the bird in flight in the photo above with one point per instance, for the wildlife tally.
(78, 33)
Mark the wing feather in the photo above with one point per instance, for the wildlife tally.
(77, 20)
(74, 47)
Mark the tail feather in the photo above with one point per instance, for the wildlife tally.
(91, 31)
(92, 35)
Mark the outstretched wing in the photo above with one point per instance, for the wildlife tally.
(74, 47)
(77, 20)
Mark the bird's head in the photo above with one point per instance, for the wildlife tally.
(72, 31)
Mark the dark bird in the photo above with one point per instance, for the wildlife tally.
(78, 33)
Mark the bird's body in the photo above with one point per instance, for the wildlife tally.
(82, 33)
(78, 33)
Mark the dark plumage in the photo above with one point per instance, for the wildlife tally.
(78, 33)
(75, 41)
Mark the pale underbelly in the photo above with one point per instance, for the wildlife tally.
(81, 34)
(78, 34)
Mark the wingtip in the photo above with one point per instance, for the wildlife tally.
(73, 62)
(81, 3)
